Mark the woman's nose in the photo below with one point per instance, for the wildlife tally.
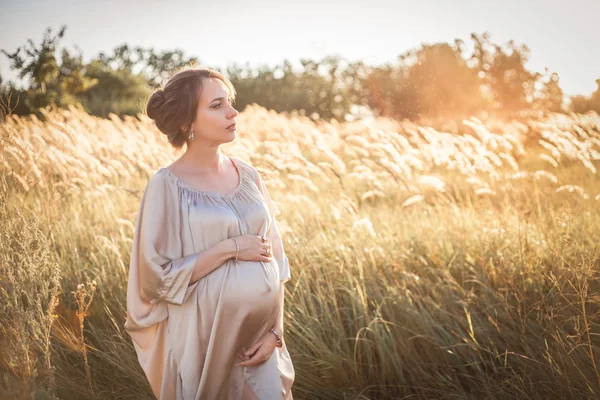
(234, 112)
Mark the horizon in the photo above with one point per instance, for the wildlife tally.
(375, 35)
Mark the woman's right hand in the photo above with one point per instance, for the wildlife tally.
(252, 248)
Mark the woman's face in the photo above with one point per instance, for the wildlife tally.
(215, 114)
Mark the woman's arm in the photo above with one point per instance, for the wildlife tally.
(212, 258)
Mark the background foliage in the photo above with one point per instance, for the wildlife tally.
(433, 80)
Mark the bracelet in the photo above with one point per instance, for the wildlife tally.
(279, 342)
(237, 250)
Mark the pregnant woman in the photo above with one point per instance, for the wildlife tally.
(205, 294)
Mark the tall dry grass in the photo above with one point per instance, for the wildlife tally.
(451, 263)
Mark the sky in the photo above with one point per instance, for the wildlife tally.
(562, 36)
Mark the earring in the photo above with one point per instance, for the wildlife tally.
(192, 134)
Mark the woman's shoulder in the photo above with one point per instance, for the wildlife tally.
(246, 166)
(252, 172)
(162, 176)
(162, 182)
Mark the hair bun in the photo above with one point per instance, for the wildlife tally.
(155, 104)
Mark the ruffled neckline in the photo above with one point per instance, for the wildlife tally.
(182, 184)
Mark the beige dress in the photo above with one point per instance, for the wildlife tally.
(186, 336)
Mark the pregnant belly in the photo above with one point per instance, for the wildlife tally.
(252, 285)
(236, 302)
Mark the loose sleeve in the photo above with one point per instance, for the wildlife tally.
(159, 275)
(273, 233)
(159, 272)
(164, 273)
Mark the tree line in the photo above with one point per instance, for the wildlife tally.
(433, 80)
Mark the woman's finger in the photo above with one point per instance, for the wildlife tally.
(247, 363)
(258, 358)
(265, 240)
(241, 353)
(265, 250)
(252, 349)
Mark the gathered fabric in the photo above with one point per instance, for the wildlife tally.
(186, 335)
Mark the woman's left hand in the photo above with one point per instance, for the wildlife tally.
(260, 351)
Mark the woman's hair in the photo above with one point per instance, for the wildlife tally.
(173, 108)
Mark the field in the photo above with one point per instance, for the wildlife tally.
(459, 260)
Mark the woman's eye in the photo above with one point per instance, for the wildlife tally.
(230, 102)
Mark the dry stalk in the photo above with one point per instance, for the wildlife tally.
(84, 298)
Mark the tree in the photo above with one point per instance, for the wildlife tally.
(113, 91)
(389, 93)
(39, 67)
(39, 63)
(327, 88)
(49, 81)
(109, 83)
(154, 66)
(433, 80)
(549, 95)
(582, 104)
(503, 72)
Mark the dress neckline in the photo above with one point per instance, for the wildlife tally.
(183, 184)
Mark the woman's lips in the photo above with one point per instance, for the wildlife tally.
(231, 127)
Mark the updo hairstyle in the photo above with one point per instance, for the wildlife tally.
(173, 107)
